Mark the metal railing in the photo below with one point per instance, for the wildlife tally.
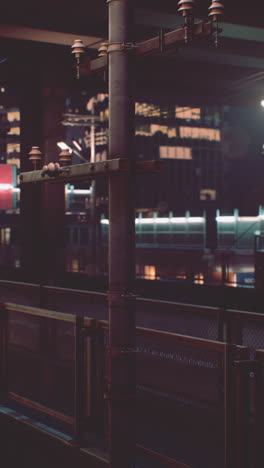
(82, 329)
(216, 323)
(168, 368)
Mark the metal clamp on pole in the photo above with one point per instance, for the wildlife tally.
(118, 46)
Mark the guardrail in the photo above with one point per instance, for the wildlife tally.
(216, 323)
(83, 328)
(174, 372)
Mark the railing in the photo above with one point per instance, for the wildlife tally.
(215, 323)
(14, 345)
(176, 376)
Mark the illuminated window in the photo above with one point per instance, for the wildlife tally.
(75, 265)
(172, 132)
(104, 115)
(175, 152)
(188, 113)
(150, 272)
(14, 131)
(143, 130)
(148, 110)
(5, 235)
(13, 148)
(13, 115)
(207, 194)
(14, 161)
(101, 156)
(101, 97)
(198, 133)
(154, 128)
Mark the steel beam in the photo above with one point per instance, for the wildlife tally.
(154, 46)
(89, 171)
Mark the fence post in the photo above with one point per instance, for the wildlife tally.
(258, 411)
(233, 328)
(89, 372)
(242, 370)
(229, 412)
(100, 371)
(221, 324)
(79, 381)
(3, 349)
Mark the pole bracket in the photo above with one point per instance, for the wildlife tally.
(118, 46)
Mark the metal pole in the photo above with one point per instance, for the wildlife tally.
(78, 379)
(3, 349)
(121, 384)
(229, 357)
(93, 197)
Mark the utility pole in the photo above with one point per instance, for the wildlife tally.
(122, 385)
(121, 168)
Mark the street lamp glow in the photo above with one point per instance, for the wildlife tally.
(262, 102)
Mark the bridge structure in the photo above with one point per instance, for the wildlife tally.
(221, 365)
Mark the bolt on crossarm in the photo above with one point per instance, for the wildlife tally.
(121, 385)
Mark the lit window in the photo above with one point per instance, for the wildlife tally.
(101, 97)
(148, 110)
(13, 115)
(207, 194)
(14, 131)
(101, 156)
(198, 133)
(150, 272)
(188, 113)
(154, 128)
(14, 161)
(5, 236)
(13, 148)
(172, 132)
(75, 265)
(143, 130)
(175, 152)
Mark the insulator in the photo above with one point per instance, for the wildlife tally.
(78, 48)
(103, 49)
(35, 155)
(65, 157)
(186, 7)
(216, 10)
